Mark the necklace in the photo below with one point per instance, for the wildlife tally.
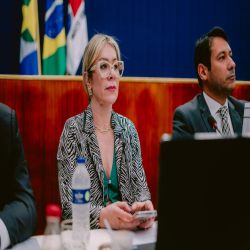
(103, 131)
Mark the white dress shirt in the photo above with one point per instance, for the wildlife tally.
(214, 110)
(4, 234)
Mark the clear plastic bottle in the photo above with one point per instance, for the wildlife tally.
(52, 240)
(80, 202)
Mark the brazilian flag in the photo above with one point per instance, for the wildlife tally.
(54, 43)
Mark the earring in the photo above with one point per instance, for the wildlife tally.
(89, 90)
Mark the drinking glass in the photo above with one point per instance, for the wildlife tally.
(122, 240)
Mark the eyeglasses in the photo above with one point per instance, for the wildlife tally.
(104, 68)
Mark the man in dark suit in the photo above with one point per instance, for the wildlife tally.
(215, 70)
(17, 203)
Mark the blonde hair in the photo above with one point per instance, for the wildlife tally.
(92, 51)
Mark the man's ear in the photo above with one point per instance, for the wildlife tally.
(203, 72)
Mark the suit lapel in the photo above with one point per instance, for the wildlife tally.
(92, 144)
(205, 113)
(123, 159)
(119, 144)
(235, 118)
(118, 155)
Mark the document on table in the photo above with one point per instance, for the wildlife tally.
(146, 236)
(142, 237)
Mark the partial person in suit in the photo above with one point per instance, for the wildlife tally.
(17, 203)
(109, 143)
(215, 69)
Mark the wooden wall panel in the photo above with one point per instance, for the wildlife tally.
(42, 108)
(44, 104)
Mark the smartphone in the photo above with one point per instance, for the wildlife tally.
(143, 215)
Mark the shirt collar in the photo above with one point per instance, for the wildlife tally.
(213, 105)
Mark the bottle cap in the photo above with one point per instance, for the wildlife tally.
(80, 160)
(53, 210)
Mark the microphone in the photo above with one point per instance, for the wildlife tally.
(213, 123)
(246, 120)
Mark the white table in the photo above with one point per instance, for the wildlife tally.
(97, 238)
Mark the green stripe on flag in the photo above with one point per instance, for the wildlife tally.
(27, 36)
(55, 64)
(26, 2)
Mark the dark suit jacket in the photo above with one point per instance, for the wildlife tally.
(17, 203)
(191, 117)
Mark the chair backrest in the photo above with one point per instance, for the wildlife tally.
(204, 189)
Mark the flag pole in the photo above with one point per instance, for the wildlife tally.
(38, 39)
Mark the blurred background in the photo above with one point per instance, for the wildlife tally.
(156, 38)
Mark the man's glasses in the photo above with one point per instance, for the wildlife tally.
(104, 68)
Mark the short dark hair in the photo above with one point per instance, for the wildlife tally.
(202, 53)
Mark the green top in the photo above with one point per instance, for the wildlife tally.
(111, 188)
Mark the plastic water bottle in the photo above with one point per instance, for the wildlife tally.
(52, 239)
(80, 202)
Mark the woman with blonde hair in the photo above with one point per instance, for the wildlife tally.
(109, 143)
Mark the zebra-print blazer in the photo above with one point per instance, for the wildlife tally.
(78, 139)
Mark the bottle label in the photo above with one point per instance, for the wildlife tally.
(81, 196)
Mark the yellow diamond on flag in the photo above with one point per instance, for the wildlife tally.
(29, 19)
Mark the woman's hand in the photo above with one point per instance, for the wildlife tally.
(143, 206)
(118, 216)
